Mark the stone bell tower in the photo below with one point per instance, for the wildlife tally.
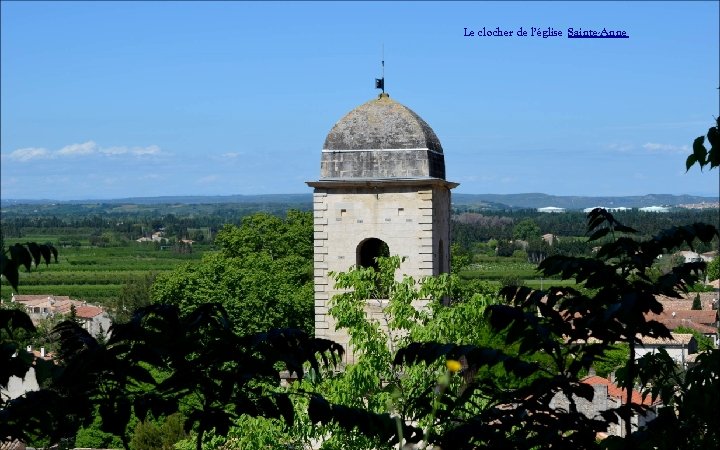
(382, 189)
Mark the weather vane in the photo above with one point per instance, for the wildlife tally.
(380, 82)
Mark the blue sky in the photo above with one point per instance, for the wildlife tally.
(120, 99)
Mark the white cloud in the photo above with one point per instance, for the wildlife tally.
(231, 155)
(138, 151)
(149, 150)
(27, 154)
(86, 148)
(620, 147)
(666, 148)
(114, 150)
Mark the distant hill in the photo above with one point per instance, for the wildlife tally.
(487, 201)
(176, 199)
(537, 200)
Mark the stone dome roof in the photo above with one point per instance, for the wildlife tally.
(379, 124)
(382, 139)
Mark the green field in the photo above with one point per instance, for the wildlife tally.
(497, 269)
(98, 254)
(96, 274)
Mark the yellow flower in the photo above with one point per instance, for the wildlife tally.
(453, 366)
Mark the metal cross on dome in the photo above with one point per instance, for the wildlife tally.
(380, 82)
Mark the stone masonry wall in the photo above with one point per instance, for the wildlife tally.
(411, 221)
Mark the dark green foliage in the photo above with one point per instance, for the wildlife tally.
(526, 229)
(701, 155)
(697, 305)
(505, 248)
(264, 233)
(92, 436)
(264, 265)
(713, 269)
(537, 250)
(469, 230)
(511, 418)
(612, 359)
(134, 294)
(570, 247)
(150, 435)
(217, 373)
(573, 329)
(387, 429)
(511, 280)
(459, 258)
(704, 342)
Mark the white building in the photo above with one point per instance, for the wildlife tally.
(657, 209)
(551, 209)
(679, 347)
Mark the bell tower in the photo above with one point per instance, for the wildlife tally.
(382, 191)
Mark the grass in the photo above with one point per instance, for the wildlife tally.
(495, 269)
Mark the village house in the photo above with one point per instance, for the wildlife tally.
(93, 318)
(158, 236)
(690, 256)
(679, 347)
(606, 396)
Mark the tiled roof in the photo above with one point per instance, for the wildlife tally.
(686, 301)
(703, 316)
(675, 323)
(88, 311)
(677, 340)
(616, 392)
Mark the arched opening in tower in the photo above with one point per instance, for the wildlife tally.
(369, 249)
